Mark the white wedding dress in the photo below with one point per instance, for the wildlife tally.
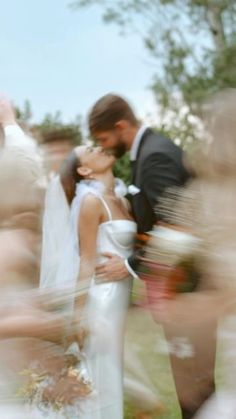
(105, 312)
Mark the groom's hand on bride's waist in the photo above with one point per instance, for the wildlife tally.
(114, 269)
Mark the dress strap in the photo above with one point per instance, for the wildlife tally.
(107, 208)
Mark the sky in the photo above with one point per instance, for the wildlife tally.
(64, 60)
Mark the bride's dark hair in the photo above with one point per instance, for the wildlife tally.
(69, 175)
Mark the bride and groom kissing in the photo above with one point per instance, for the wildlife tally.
(99, 248)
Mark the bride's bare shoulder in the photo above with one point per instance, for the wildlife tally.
(91, 203)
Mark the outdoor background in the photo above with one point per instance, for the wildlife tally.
(167, 57)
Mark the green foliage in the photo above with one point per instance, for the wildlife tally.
(25, 113)
(192, 44)
(53, 124)
(122, 169)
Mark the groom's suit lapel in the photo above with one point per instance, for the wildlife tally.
(133, 169)
(138, 200)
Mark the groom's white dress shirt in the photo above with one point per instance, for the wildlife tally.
(133, 156)
(136, 142)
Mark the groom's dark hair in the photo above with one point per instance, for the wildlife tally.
(107, 111)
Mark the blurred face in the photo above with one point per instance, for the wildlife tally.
(112, 141)
(94, 159)
(55, 154)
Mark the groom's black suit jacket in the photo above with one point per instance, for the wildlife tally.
(158, 166)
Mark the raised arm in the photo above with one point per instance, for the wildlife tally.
(25, 148)
(14, 135)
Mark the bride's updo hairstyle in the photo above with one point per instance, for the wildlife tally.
(69, 175)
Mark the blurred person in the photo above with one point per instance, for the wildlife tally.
(83, 219)
(157, 165)
(23, 321)
(21, 200)
(205, 209)
(1, 137)
(56, 145)
(215, 223)
(31, 348)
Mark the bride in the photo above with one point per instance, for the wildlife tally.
(85, 219)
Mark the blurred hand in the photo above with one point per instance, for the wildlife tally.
(113, 269)
(26, 321)
(51, 327)
(65, 391)
(79, 335)
(7, 114)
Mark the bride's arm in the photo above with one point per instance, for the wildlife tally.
(89, 220)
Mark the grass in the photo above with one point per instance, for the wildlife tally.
(146, 339)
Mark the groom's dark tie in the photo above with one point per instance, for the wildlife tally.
(133, 168)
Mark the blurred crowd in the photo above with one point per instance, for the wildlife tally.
(25, 169)
(29, 331)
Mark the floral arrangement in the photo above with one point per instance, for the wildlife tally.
(170, 249)
(48, 387)
(60, 380)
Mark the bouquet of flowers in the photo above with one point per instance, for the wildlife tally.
(170, 250)
(60, 375)
(59, 382)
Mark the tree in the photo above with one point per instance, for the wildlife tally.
(53, 126)
(191, 42)
(50, 125)
(25, 113)
(122, 169)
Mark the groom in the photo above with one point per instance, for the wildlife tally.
(157, 164)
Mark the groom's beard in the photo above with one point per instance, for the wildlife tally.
(119, 150)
